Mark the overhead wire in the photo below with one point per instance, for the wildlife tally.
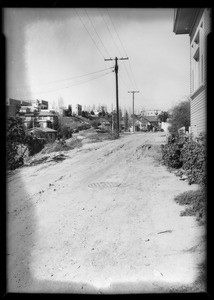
(89, 34)
(110, 32)
(132, 79)
(75, 84)
(96, 32)
(65, 79)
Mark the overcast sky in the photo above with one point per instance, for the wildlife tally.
(54, 53)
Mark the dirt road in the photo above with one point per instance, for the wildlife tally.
(102, 221)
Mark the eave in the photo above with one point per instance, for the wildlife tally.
(184, 19)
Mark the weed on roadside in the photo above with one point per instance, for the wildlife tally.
(195, 202)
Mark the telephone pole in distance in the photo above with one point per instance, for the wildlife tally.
(117, 98)
(133, 92)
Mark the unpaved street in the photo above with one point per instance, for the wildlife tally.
(102, 221)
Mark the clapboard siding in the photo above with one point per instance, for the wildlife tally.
(198, 104)
(198, 113)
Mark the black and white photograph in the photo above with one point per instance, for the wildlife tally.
(106, 134)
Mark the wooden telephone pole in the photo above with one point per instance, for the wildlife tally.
(117, 97)
(133, 92)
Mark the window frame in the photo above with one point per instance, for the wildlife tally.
(197, 58)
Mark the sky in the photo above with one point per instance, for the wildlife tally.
(59, 53)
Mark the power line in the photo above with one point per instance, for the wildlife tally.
(116, 32)
(74, 84)
(96, 32)
(66, 79)
(89, 34)
(133, 75)
(123, 50)
(110, 32)
(130, 78)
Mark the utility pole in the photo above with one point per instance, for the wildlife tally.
(117, 98)
(133, 92)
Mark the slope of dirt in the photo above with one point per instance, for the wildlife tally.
(102, 220)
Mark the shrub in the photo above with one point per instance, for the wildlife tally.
(95, 123)
(188, 154)
(171, 155)
(64, 132)
(193, 156)
(196, 202)
(16, 136)
(35, 145)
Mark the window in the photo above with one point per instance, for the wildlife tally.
(197, 59)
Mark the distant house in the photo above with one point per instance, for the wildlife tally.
(148, 121)
(197, 23)
(48, 134)
(151, 112)
(28, 119)
(46, 118)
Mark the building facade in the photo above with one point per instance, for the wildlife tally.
(197, 23)
(77, 110)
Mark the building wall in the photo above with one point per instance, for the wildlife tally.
(10, 111)
(198, 73)
(198, 113)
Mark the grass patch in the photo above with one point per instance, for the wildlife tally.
(58, 146)
(195, 202)
(93, 137)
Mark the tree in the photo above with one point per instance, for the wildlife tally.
(69, 112)
(61, 102)
(180, 117)
(163, 116)
(84, 114)
(16, 136)
(56, 124)
(102, 113)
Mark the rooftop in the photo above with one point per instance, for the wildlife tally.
(42, 129)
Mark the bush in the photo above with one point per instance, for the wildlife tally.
(188, 154)
(196, 201)
(35, 145)
(193, 156)
(64, 132)
(171, 155)
(16, 136)
(95, 124)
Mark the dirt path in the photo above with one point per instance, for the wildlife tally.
(102, 221)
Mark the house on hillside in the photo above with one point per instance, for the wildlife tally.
(46, 118)
(47, 134)
(29, 119)
(196, 22)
